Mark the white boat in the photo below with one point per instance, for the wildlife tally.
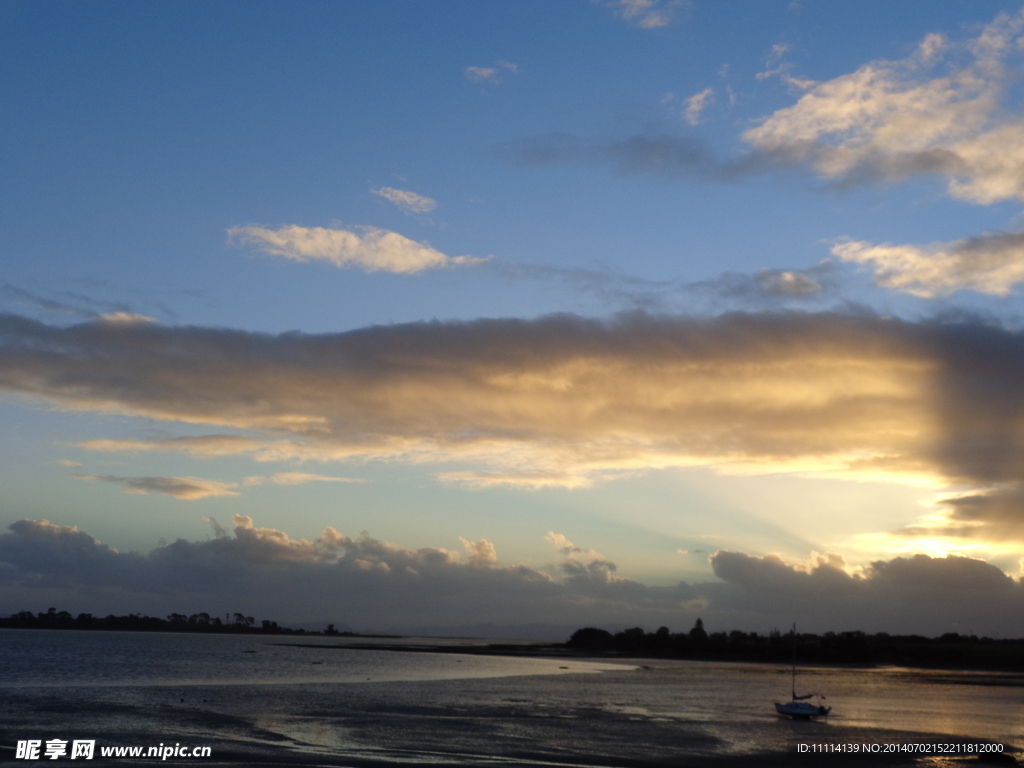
(801, 707)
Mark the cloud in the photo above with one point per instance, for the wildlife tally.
(188, 488)
(482, 554)
(301, 478)
(205, 446)
(67, 463)
(50, 305)
(368, 581)
(490, 74)
(218, 530)
(645, 14)
(992, 264)
(561, 396)
(931, 594)
(773, 62)
(375, 250)
(993, 514)
(941, 111)
(533, 480)
(572, 553)
(370, 584)
(665, 157)
(480, 74)
(562, 400)
(612, 288)
(408, 201)
(938, 112)
(124, 318)
(697, 104)
(767, 288)
(561, 543)
(84, 306)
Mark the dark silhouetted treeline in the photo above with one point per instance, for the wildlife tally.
(948, 651)
(176, 622)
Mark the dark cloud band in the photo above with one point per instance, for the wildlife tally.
(565, 399)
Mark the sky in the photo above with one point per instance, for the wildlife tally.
(510, 318)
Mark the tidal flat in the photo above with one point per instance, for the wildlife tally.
(257, 703)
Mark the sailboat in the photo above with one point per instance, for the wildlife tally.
(801, 707)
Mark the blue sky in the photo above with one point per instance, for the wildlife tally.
(299, 264)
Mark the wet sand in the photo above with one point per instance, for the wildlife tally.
(569, 720)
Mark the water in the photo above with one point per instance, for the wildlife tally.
(48, 658)
(285, 705)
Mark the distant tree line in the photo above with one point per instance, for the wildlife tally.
(236, 623)
(951, 650)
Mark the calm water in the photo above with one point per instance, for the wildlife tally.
(256, 702)
(41, 658)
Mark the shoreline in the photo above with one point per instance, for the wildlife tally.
(559, 651)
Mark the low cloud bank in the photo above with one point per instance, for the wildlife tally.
(368, 583)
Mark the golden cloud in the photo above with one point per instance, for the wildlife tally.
(564, 401)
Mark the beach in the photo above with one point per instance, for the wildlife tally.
(252, 701)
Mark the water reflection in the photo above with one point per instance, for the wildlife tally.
(208, 689)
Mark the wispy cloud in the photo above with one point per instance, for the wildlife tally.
(773, 63)
(50, 305)
(408, 201)
(646, 14)
(697, 104)
(528, 479)
(490, 74)
(299, 478)
(667, 157)
(203, 446)
(374, 250)
(480, 74)
(612, 288)
(75, 305)
(188, 488)
(767, 288)
(124, 318)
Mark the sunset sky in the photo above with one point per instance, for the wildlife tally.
(515, 316)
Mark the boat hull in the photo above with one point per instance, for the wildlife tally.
(801, 710)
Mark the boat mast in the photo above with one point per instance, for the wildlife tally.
(794, 661)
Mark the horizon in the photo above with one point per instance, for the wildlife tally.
(416, 316)
(238, 623)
